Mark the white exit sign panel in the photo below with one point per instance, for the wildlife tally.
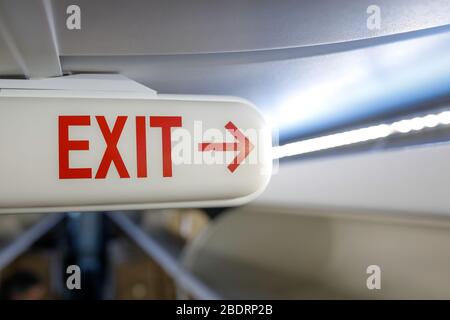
(81, 153)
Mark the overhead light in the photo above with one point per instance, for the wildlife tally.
(431, 121)
(361, 135)
(401, 126)
(444, 117)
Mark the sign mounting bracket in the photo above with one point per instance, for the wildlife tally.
(92, 85)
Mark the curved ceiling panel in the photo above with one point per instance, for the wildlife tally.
(143, 27)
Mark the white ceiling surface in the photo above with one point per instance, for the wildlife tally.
(412, 179)
(34, 33)
(143, 27)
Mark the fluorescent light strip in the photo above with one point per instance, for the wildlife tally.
(361, 135)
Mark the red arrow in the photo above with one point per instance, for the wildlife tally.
(243, 145)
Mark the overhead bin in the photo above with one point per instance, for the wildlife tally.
(412, 179)
(263, 252)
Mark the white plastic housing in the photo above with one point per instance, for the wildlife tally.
(31, 142)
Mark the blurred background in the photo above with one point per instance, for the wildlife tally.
(357, 94)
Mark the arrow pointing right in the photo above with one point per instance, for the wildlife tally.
(242, 145)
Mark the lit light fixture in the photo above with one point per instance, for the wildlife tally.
(361, 135)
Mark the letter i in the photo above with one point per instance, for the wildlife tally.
(141, 147)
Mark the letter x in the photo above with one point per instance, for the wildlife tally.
(111, 153)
